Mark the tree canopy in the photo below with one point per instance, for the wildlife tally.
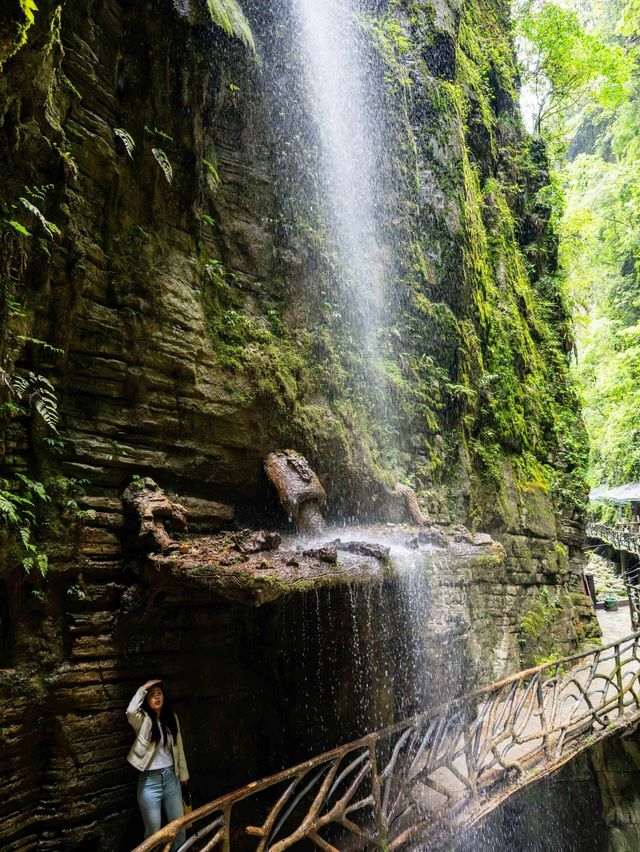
(581, 77)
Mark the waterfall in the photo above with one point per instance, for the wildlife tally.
(386, 651)
(343, 108)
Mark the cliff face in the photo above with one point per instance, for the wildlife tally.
(161, 234)
(197, 319)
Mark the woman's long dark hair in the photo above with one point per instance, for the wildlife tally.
(167, 720)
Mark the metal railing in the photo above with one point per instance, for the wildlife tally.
(429, 773)
(621, 539)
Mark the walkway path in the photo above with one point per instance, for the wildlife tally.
(614, 625)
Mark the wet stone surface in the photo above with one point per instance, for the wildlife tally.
(256, 567)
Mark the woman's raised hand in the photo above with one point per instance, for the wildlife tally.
(151, 683)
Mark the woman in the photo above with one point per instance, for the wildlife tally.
(159, 756)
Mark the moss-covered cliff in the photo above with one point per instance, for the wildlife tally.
(167, 269)
(196, 317)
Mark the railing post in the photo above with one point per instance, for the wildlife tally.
(226, 827)
(543, 719)
(376, 792)
(619, 682)
(472, 774)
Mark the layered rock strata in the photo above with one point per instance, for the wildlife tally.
(174, 265)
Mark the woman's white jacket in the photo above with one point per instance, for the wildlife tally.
(143, 748)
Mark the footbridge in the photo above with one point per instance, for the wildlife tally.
(420, 781)
(622, 538)
(625, 540)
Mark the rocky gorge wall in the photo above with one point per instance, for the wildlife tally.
(165, 268)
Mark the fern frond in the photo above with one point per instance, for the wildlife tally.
(163, 162)
(8, 511)
(34, 341)
(36, 488)
(41, 396)
(42, 561)
(126, 139)
(213, 178)
(228, 15)
(49, 227)
(18, 227)
(20, 385)
(47, 409)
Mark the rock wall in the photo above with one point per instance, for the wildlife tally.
(166, 269)
(197, 319)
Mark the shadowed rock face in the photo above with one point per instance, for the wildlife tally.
(190, 350)
(299, 489)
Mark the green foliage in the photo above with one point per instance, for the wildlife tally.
(391, 39)
(213, 178)
(250, 344)
(228, 15)
(20, 497)
(18, 512)
(20, 229)
(565, 66)
(582, 68)
(538, 629)
(126, 139)
(49, 227)
(40, 396)
(20, 27)
(163, 162)
(154, 131)
(600, 250)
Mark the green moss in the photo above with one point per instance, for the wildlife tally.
(21, 27)
(539, 632)
(555, 617)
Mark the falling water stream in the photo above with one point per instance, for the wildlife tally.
(344, 111)
(368, 653)
(375, 651)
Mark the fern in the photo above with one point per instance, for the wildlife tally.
(41, 397)
(34, 487)
(14, 511)
(213, 178)
(163, 162)
(228, 15)
(126, 139)
(29, 9)
(49, 227)
(8, 509)
(34, 341)
(153, 131)
(18, 227)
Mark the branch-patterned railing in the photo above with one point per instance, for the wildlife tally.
(621, 539)
(436, 770)
(633, 593)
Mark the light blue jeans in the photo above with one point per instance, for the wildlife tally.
(159, 789)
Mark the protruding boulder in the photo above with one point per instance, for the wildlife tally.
(411, 504)
(299, 489)
(152, 508)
